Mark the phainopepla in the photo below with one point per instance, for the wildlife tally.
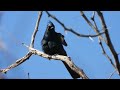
(52, 43)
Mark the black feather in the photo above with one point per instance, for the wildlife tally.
(52, 43)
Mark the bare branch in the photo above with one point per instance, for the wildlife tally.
(93, 19)
(18, 62)
(59, 57)
(82, 35)
(100, 42)
(36, 29)
(90, 24)
(101, 38)
(71, 30)
(104, 52)
(108, 41)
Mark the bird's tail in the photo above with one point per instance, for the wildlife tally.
(72, 73)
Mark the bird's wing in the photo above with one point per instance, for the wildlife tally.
(52, 44)
(62, 40)
(43, 42)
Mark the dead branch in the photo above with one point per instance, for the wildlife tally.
(54, 57)
(100, 42)
(61, 58)
(70, 29)
(108, 41)
(18, 62)
(104, 52)
(91, 25)
(36, 29)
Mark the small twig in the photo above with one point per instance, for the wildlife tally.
(104, 52)
(112, 74)
(93, 16)
(70, 29)
(93, 19)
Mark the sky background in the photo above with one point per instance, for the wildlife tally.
(16, 27)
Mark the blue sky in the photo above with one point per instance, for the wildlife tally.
(17, 27)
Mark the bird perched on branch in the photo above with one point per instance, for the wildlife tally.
(52, 43)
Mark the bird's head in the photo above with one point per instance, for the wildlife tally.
(50, 25)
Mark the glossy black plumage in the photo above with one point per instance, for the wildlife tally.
(52, 43)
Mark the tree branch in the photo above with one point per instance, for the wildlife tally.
(104, 52)
(17, 63)
(71, 30)
(91, 25)
(59, 57)
(36, 29)
(100, 42)
(108, 41)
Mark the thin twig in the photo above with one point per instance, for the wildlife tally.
(104, 52)
(70, 29)
(112, 74)
(93, 16)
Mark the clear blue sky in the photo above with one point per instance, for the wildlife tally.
(16, 27)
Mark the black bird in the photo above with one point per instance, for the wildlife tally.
(52, 43)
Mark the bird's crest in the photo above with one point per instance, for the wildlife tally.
(50, 24)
